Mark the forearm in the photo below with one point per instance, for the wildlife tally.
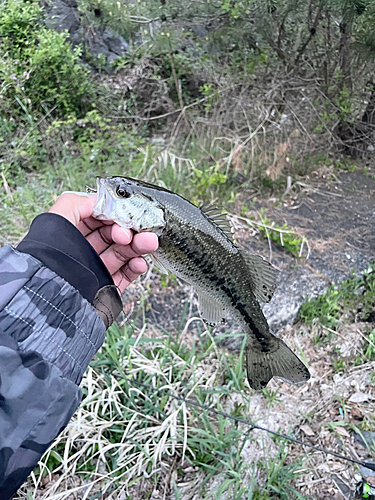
(36, 403)
(49, 332)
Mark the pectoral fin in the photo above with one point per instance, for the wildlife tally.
(159, 264)
(263, 276)
(211, 311)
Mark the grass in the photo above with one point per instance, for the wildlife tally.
(23, 197)
(127, 439)
(330, 314)
(354, 296)
(283, 236)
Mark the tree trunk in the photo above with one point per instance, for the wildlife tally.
(345, 55)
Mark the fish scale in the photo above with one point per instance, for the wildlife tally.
(196, 245)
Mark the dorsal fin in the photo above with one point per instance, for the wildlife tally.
(262, 274)
(219, 219)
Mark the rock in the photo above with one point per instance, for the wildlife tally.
(63, 15)
(116, 44)
(104, 42)
(293, 286)
(366, 471)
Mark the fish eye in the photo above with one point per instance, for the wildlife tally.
(122, 193)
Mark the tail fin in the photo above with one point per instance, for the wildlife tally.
(280, 361)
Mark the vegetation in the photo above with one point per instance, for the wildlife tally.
(355, 296)
(217, 100)
(124, 427)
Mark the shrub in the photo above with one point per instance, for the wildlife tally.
(38, 69)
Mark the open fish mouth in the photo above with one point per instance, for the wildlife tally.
(103, 201)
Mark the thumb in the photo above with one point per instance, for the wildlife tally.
(74, 207)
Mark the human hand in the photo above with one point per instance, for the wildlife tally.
(119, 248)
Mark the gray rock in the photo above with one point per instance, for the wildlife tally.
(366, 471)
(294, 285)
(116, 44)
(64, 15)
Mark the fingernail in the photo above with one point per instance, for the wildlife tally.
(127, 231)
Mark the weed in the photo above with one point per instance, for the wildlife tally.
(280, 477)
(39, 67)
(371, 378)
(205, 178)
(271, 396)
(370, 347)
(339, 365)
(356, 294)
(283, 236)
(167, 280)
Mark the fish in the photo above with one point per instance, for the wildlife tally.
(196, 244)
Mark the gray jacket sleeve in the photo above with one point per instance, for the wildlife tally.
(48, 335)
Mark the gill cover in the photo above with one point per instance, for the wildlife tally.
(122, 201)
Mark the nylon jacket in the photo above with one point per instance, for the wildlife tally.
(49, 332)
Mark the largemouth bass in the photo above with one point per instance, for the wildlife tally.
(196, 245)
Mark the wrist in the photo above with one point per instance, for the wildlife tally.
(58, 244)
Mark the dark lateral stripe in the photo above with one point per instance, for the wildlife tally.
(249, 320)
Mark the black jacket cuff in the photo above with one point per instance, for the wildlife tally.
(59, 245)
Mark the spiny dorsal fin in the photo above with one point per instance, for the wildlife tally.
(219, 219)
(263, 276)
(211, 311)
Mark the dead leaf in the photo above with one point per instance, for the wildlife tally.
(263, 158)
(343, 432)
(358, 397)
(236, 157)
(296, 133)
(307, 430)
(356, 414)
(280, 157)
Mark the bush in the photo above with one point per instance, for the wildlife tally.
(38, 69)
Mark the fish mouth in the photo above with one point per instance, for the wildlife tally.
(90, 190)
(101, 200)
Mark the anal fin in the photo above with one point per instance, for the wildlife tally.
(211, 311)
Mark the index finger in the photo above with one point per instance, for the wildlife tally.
(141, 243)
